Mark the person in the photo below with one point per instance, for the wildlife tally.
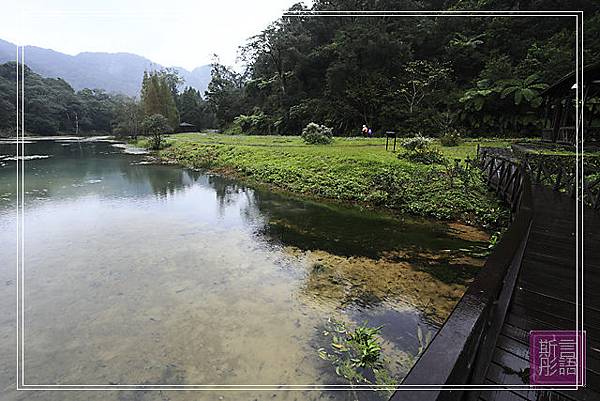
(365, 130)
(370, 133)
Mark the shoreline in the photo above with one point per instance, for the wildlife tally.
(205, 158)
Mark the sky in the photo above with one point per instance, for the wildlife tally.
(182, 33)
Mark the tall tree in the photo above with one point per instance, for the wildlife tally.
(157, 96)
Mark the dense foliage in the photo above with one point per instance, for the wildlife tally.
(155, 126)
(481, 75)
(159, 90)
(52, 106)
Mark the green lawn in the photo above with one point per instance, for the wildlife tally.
(357, 170)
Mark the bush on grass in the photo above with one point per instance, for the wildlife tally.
(316, 134)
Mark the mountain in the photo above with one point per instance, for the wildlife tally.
(113, 72)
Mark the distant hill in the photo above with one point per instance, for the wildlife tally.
(113, 72)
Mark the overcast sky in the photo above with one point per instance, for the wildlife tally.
(184, 33)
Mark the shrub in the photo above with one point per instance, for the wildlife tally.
(418, 149)
(425, 156)
(317, 134)
(389, 188)
(257, 123)
(451, 138)
(233, 129)
(416, 142)
(156, 125)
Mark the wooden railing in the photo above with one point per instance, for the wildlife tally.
(559, 173)
(462, 349)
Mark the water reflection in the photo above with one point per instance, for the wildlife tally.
(155, 274)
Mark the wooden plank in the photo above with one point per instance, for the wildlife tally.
(532, 323)
(522, 336)
(541, 258)
(536, 302)
(547, 283)
(513, 346)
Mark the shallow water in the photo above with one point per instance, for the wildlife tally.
(153, 274)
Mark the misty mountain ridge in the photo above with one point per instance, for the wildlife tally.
(113, 72)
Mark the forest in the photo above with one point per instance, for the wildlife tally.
(53, 107)
(477, 76)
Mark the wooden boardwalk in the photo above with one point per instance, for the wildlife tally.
(528, 283)
(544, 297)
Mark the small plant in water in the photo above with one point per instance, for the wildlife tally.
(356, 355)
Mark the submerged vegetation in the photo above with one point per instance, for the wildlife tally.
(356, 355)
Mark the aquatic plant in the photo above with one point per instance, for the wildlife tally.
(357, 355)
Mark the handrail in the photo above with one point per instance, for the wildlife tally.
(559, 173)
(463, 347)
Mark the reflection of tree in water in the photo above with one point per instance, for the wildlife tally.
(358, 258)
(347, 231)
(162, 180)
(229, 192)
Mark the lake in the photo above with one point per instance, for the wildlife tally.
(148, 274)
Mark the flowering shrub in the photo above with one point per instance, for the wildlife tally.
(416, 142)
(317, 134)
(418, 149)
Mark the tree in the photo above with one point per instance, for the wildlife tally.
(225, 94)
(193, 109)
(397, 73)
(129, 116)
(157, 95)
(156, 125)
(528, 89)
(421, 80)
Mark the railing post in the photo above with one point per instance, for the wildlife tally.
(491, 169)
(501, 176)
(558, 179)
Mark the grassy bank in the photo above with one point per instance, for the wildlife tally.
(354, 170)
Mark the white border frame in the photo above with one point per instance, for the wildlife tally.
(20, 377)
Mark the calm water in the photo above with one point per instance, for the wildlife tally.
(152, 274)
